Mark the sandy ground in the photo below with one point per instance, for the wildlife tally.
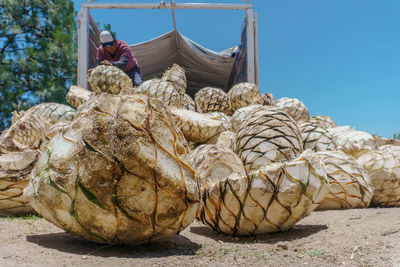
(358, 237)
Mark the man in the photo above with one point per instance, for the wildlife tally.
(117, 53)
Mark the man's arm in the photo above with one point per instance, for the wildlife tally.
(121, 63)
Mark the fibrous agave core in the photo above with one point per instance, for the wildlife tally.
(270, 199)
(118, 174)
(165, 91)
(350, 185)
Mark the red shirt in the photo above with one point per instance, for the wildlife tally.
(123, 50)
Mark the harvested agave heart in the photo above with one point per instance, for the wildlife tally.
(270, 199)
(268, 136)
(176, 75)
(189, 104)
(165, 91)
(383, 168)
(214, 163)
(243, 95)
(315, 137)
(350, 185)
(118, 174)
(28, 131)
(109, 79)
(324, 122)
(15, 168)
(294, 108)
(353, 142)
(239, 115)
(210, 99)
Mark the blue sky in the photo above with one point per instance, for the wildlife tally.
(341, 58)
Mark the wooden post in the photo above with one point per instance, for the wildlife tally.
(256, 49)
(251, 77)
(83, 47)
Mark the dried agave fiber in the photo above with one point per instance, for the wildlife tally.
(210, 99)
(215, 163)
(15, 168)
(349, 183)
(118, 174)
(198, 127)
(28, 131)
(268, 136)
(109, 79)
(243, 95)
(162, 90)
(324, 122)
(176, 75)
(294, 108)
(271, 199)
(315, 137)
(383, 169)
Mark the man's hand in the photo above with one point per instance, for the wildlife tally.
(89, 72)
(106, 62)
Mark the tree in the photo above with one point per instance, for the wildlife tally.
(396, 136)
(37, 53)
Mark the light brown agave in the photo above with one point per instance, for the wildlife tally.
(243, 95)
(383, 168)
(294, 108)
(315, 137)
(15, 168)
(349, 183)
(118, 174)
(324, 122)
(268, 136)
(162, 90)
(271, 199)
(109, 79)
(77, 96)
(391, 148)
(176, 75)
(209, 99)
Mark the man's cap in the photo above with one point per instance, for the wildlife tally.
(106, 38)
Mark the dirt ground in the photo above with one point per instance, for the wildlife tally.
(358, 237)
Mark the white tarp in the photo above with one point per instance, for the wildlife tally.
(203, 67)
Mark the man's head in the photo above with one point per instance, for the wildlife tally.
(108, 41)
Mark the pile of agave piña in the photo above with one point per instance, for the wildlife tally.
(137, 164)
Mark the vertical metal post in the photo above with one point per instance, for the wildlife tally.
(250, 45)
(83, 47)
(178, 51)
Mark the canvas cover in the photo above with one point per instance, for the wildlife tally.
(203, 67)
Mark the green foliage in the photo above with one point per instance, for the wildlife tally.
(396, 136)
(37, 53)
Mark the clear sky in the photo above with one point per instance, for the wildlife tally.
(341, 58)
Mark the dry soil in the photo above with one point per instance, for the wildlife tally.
(358, 237)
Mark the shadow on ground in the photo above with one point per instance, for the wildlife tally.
(297, 232)
(176, 245)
